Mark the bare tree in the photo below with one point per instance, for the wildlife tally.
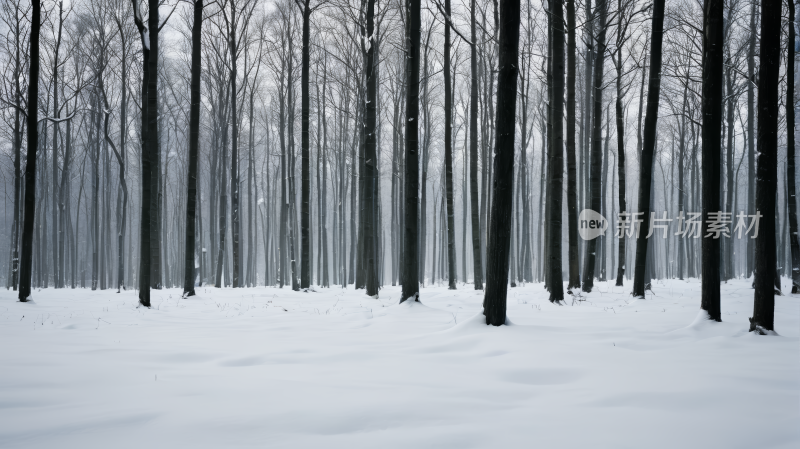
(494, 301)
(762, 321)
(26, 261)
(648, 148)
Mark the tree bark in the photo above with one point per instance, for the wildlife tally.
(751, 146)
(194, 138)
(26, 263)
(790, 155)
(235, 215)
(595, 181)
(649, 145)
(371, 156)
(713, 37)
(448, 157)
(305, 169)
(477, 262)
(767, 170)
(574, 280)
(410, 238)
(623, 205)
(494, 302)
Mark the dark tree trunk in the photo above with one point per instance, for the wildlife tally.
(790, 170)
(426, 141)
(194, 138)
(586, 116)
(284, 214)
(26, 263)
(124, 186)
(371, 156)
(681, 177)
(57, 267)
(16, 226)
(305, 169)
(767, 170)
(494, 302)
(223, 196)
(477, 262)
(623, 205)
(751, 145)
(152, 151)
(411, 231)
(595, 181)
(649, 145)
(601, 241)
(96, 246)
(557, 160)
(235, 215)
(122, 212)
(713, 37)
(572, 182)
(448, 157)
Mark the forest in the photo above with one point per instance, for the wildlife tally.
(324, 143)
(384, 224)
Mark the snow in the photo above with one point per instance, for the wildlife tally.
(265, 367)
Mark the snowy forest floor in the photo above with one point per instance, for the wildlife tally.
(264, 367)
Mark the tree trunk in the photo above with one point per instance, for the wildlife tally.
(57, 267)
(649, 145)
(371, 156)
(494, 302)
(410, 238)
(194, 138)
(751, 146)
(235, 215)
(477, 262)
(623, 206)
(767, 170)
(448, 157)
(305, 170)
(223, 197)
(713, 38)
(30, 165)
(790, 156)
(574, 280)
(595, 181)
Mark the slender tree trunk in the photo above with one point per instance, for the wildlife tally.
(323, 198)
(604, 200)
(448, 157)
(790, 155)
(410, 238)
(595, 181)
(713, 38)
(371, 156)
(305, 170)
(727, 244)
(572, 182)
(223, 199)
(477, 263)
(767, 170)
(648, 145)
(623, 206)
(494, 302)
(30, 165)
(57, 267)
(194, 138)
(235, 213)
(751, 146)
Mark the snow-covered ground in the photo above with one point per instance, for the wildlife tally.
(264, 367)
